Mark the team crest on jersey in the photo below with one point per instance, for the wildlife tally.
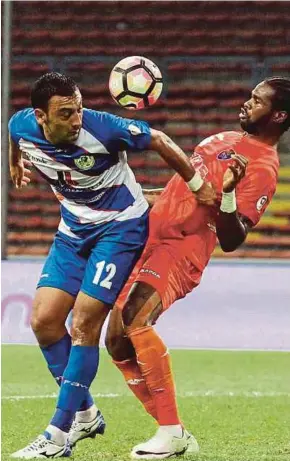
(85, 162)
(261, 202)
(225, 154)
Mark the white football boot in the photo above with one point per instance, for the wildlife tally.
(162, 445)
(43, 448)
(83, 429)
(192, 445)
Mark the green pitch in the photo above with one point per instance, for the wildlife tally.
(237, 404)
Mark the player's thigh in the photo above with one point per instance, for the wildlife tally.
(64, 267)
(183, 278)
(117, 343)
(108, 268)
(171, 275)
(144, 303)
(142, 307)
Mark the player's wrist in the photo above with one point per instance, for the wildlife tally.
(229, 202)
(195, 182)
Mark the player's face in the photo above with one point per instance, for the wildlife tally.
(256, 113)
(63, 119)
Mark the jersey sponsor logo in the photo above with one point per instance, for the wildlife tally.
(85, 162)
(261, 202)
(150, 271)
(134, 130)
(35, 158)
(225, 155)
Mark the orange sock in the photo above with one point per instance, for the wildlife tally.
(154, 362)
(133, 377)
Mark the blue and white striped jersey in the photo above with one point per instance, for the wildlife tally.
(90, 177)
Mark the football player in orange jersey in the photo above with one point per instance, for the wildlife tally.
(243, 168)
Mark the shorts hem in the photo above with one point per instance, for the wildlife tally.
(98, 298)
(59, 287)
(141, 278)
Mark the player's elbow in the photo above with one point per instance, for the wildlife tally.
(229, 246)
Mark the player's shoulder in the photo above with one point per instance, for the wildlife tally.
(23, 124)
(99, 122)
(261, 155)
(97, 116)
(24, 117)
(229, 137)
(107, 124)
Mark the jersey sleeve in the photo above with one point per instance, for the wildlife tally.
(126, 133)
(13, 127)
(255, 193)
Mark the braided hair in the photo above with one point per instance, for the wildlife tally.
(281, 100)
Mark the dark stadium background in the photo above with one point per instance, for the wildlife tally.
(211, 54)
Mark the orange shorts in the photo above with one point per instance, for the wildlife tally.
(172, 277)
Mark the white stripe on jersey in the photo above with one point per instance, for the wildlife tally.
(140, 204)
(126, 177)
(89, 143)
(66, 230)
(39, 158)
(117, 175)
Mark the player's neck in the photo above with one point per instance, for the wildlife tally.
(267, 138)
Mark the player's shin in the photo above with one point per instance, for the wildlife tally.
(80, 371)
(56, 356)
(154, 361)
(135, 381)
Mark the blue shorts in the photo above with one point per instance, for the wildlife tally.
(99, 263)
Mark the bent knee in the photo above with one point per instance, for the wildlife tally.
(113, 345)
(42, 320)
(119, 347)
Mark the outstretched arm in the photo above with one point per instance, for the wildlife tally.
(18, 171)
(232, 228)
(176, 158)
(172, 154)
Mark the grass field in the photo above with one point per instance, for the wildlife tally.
(236, 403)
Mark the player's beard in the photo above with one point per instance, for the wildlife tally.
(258, 126)
(249, 127)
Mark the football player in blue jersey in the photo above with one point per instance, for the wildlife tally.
(102, 232)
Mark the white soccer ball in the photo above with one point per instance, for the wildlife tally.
(135, 82)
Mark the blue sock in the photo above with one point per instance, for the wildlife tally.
(80, 371)
(56, 356)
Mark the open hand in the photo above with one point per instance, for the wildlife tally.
(234, 172)
(20, 174)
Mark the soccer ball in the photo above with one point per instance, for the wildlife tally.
(135, 82)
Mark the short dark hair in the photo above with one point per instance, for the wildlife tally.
(49, 85)
(281, 100)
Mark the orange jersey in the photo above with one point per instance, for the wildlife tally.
(177, 220)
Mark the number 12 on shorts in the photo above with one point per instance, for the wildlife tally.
(110, 269)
